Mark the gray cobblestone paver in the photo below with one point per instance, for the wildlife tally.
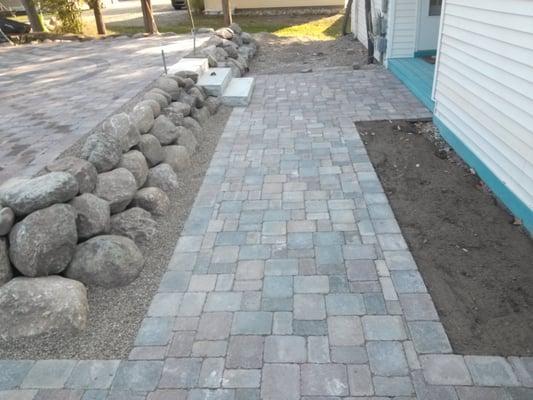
(291, 279)
(76, 86)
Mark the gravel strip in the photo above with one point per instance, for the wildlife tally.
(116, 314)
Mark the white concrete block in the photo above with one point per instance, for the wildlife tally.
(198, 65)
(215, 80)
(239, 92)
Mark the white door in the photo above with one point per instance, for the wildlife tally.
(428, 24)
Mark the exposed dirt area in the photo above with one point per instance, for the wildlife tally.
(299, 54)
(115, 314)
(476, 263)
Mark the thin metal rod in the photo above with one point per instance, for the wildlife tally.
(164, 61)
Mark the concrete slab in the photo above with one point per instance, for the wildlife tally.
(198, 65)
(215, 80)
(239, 92)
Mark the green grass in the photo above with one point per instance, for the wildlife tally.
(312, 26)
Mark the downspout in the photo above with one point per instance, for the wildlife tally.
(391, 12)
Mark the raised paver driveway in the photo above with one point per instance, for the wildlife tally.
(52, 94)
(291, 279)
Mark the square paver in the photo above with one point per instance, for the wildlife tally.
(361, 270)
(329, 255)
(223, 301)
(250, 270)
(429, 337)
(181, 345)
(48, 374)
(211, 373)
(225, 254)
(309, 307)
(180, 373)
(12, 372)
(252, 323)
(318, 349)
(245, 352)
(202, 283)
(277, 287)
(491, 371)
(281, 382)
(192, 304)
(155, 332)
(285, 349)
(214, 326)
(345, 304)
(383, 327)
(360, 380)
(445, 369)
(345, 331)
(241, 378)
(90, 374)
(281, 266)
(137, 375)
(393, 386)
(274, 228)
(387, 358)
(311, 284)
(324, 380)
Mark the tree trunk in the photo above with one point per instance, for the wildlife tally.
(347, 13)
(100, 25)
(148, 17)
(226, 10)
(36, 19)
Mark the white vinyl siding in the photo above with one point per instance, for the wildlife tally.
(484, 85)
(402, 28)
(359, 21)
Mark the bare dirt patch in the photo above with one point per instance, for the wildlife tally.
(475, 262)
(295, 54)
(115, 314)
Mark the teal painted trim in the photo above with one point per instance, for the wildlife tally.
(425, 53)
(499, 188)
(417, 76)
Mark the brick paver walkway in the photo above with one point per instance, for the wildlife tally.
(291, 279)
(52, 94)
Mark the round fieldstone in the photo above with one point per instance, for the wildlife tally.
(231, 51)
(143, 117)
(235, 28)
(246, 38)
(187, 139)
(43, 243)
(135, 162)
(192, 125)
(84, 172)
(200, 114)
(161, 100)
(6, 271)
(93, 215)
(188, 75)
(168, 85)
(195, 91)
(153, 200)
(28, 195)
(164, 130)
(225, 33)
(7, 219)
(162, 93)
(103, 151)
(174, 117)
(177, 157)
(154, 105)
(212, 104)
(182, 108)
(135, 223)
(151, 148)
(163, 177)
(214, 41)
(31, 307)
(190, 100)
(117, 187)
(188, 83)
(122, 128)
(107, 260)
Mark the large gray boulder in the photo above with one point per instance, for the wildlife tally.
(143, 117)
(42, 244)
(121, 127)
(200, 114)
(177, 157)
(192, 125)
(102, 150)
(231, 51)
(214, 41)
(235, 28)
(246, 38)
(163, 177)
(6, 271)
(107, 260)
(188, 83)
(93, 215)
(32, 307)
(212, 104)
(161, 100)
(7, 219)
(186, 138)
(84, 172)
(182, 108)
(154, 105)
(168, 85)
(135, 223)
(162, 93)
(151, 148)
(135, 162)
(27, 195)
(153, 200)
(174, 117)
(164, 130)
(188, 75)
(117, 187)
(197, 92)
(190, 100)
(225, 33)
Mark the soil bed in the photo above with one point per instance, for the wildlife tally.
(278, 55)
(476, 263)
(116, 314)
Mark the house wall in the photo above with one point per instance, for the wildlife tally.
(216, 5)
(484, 93)
(359, 20)
(403, 19)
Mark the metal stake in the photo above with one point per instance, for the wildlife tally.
(164, 61)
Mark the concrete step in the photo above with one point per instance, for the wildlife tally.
(198, 65)
(215, 80)
(239, 92)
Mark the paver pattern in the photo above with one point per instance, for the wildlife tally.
(291, 279)
(52, 94)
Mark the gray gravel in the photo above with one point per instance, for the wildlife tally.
(116, 314)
